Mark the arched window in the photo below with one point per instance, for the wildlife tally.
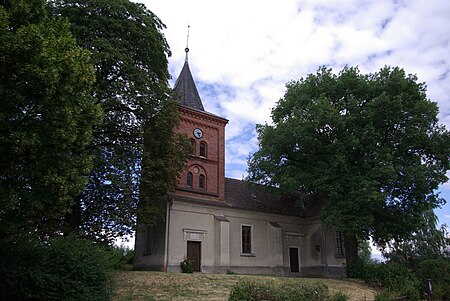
(189, 179)
(201, 182)
(202, 149)
(193, 146)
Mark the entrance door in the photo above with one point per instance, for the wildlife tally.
(293, 258)
(194, 253)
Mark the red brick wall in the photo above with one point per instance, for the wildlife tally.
(213, 165)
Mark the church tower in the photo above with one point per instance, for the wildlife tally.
(204, 176)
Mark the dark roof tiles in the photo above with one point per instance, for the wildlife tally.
(248, 196)
(185, 91)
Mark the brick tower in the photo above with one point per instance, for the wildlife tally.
(204, 176)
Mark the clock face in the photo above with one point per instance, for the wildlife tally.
(198, 133)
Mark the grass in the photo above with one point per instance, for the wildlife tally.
(150, 286)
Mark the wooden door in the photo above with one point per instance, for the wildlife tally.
(293, 258)
(194, 253)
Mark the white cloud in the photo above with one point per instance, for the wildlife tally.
(244, 52)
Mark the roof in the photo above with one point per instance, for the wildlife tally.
(245, 195)
(185, 91)
(249, 196)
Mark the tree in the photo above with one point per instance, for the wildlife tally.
(129, 53)
(46, 118)
(369, 146)
(428, 242)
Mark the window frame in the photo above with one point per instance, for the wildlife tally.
(203, 149)
(190, 178)
(194, 147)
(248, 245)
(202, 180)
(339, 244)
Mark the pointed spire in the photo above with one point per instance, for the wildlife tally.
(185, 90)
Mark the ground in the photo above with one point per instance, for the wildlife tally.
(150, 286)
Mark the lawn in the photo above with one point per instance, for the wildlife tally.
(177, 286)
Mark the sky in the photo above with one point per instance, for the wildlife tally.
(242, 53)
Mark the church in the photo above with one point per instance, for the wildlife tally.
(225, 225)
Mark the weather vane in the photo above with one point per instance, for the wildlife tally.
(187, 43)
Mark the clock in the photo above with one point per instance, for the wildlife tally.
(198, 133)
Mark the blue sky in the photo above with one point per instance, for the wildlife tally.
(242, 53)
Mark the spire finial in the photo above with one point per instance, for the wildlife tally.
(187, 43)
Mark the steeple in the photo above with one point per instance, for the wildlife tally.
(185, 91)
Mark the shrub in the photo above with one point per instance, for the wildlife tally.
(383, 296)
(357, 269)
(271, 291)
(187, 266)
(394, 278)
(65, 268)
(123, 257)
(439, 271)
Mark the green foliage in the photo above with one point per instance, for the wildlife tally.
(426, 253)
(357, 268)
(46, 118)
(124, 257)
(187, 266)
(64, 268)
(428, 242)
(439, 271)
(395, 278)
(365, 251)
(162, 164)
(271, 291)
(24, 12)
(134, 149)
(384, 296)
(399, 279)
(369, 146)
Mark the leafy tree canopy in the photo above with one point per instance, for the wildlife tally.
(428, 242)
(370, 146)
(46, 118)
(129, 53)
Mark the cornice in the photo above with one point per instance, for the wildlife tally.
(202, 115)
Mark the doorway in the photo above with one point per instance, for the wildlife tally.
(293, 259)
(194, 253)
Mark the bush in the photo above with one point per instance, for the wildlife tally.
(357, 269)
(65, 268)
(439, 271)
(187, 266)
(123, 258)
(271, 291)
(393, 277)
(383, 296)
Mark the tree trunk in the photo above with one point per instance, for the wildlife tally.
(351, 248)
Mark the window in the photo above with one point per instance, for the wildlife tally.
(202, 149)
(246, 239)
(193, 146)
(339, 243)
(201, 182)
(189, 179)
